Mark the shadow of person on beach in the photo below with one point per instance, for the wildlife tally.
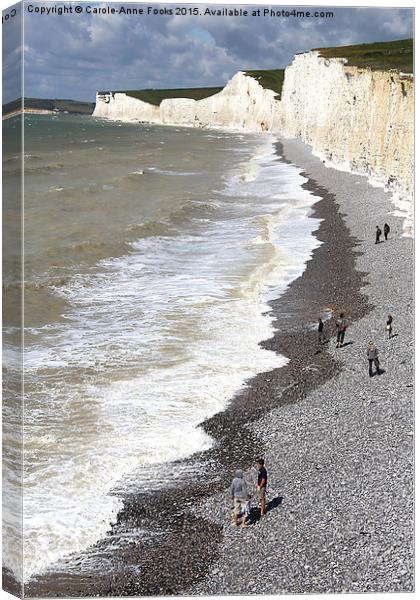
(347, 344)
(274, 503)
(255, 513)
(322, 344)
(379, 372)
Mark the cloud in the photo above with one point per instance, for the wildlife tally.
(74, 55)
(12, 55)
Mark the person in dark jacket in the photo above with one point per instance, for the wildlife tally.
(262, 484)
(387, 229)
(373, 357)
(341, 325)
(389, 326)
(321, 334)
(378, 234)
(240, 497)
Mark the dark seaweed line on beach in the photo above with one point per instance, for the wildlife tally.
(188, 545)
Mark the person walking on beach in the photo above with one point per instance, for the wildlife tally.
(240, 497)
(378, 234)
(389, 326)
(321, 335)
(387, 229)
(373, 358)
(341, 325)
(262, 484)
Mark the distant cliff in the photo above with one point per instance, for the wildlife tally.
(47, 105)
(357, 113)
(242, 104)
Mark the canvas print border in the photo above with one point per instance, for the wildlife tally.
(208, 299)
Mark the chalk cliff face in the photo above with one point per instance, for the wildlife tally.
(242, 104)
(120, 107)
(356, 119)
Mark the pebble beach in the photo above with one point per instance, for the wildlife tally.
(338, 445)
(341, 458)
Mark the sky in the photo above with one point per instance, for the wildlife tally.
(74, 55)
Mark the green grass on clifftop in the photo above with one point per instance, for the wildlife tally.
(272, 80)
(70, 106)
(155, 97)
(269, 79)
(379, 56)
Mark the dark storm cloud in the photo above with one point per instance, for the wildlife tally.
(72, 56)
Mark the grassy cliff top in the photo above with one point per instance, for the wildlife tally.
(269, 79)
(272, 80)
(71, 106)
(378, 56)
(155, 97)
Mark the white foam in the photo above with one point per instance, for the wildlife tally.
(166, 335)
(402, 200)
(404, 208)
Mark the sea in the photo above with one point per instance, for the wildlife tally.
(151, 254)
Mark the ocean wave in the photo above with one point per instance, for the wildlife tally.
(267, 224)
(156, 339)
(150, 229)
(192, 209)
(40, 169)
(98, 248)
(11, 159)
(169, 225)
(37, 284)
(32, 157)
(171, 173)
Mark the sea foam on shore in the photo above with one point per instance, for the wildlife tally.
(153, 341)
(339, 454)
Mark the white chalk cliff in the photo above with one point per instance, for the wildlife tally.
(120, 107)
(242, 104)
(354, 118)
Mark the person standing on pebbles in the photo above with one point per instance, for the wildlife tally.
(373, 357)
(341, 325)
(321, 335)
(378, 234)
(240, 497)
(262, 484)
(387, 229)
(389, 326)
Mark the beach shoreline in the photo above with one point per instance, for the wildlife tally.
(342, 458)
(195, 540)
(29, 111)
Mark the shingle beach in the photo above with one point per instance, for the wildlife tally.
(338, 445)
(341, 459)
